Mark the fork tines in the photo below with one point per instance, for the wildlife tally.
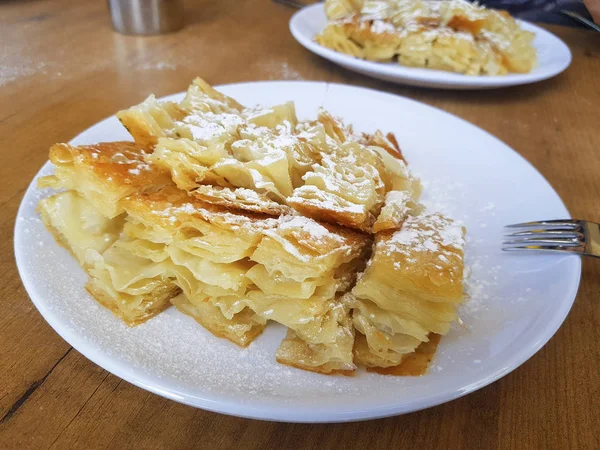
(554, 235)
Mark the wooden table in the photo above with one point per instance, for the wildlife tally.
(63, 69)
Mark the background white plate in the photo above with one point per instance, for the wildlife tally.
(553, 57)
(518, 301)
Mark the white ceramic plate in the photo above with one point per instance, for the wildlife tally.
(553, 57)
(518, 300)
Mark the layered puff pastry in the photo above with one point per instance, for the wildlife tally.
(452, 35)
(237, 270)
(412, 287)
(88, 219)
(104, 173)
(240, 216)
(319, 168)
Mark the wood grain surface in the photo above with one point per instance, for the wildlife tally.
(62, 69)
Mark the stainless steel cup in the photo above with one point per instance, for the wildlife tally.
(146, 17)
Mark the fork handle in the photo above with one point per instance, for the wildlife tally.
(579, 18)
(592, 239)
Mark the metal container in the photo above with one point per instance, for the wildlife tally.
(145, 17)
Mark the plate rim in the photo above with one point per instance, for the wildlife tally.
(422, 77)
(281, 413)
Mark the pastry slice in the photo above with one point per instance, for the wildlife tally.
(210, 139)
(141, 271)
(331, 354)
(349, 183)
(234, 266)
(133, 287)
(207, 249)
(412, 286)
(303, 267)
(123, 276)
(150, 120)
(298, 270)
(153, 119)
(221, 151)
(198, 228)
(346, 187)
(104, 173)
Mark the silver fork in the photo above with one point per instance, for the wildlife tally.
(572, 236)
(579, 18)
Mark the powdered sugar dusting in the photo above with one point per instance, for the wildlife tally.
(308, 226)
(277, 70)
(379, 26)
(427, 233)
(192, 358)
(193, 362)
(181, 213)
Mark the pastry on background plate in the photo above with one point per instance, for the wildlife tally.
(452, 35)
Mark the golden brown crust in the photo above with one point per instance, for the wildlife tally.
(353, 238)
(207, 89)
(387, 142)
(160, 298)
(361, 32)
(248, 338)
(241, 329)
(240, 199)
(119, 163)
(426, 254)
(222, 332)
(169, 207)
(345, 217)
(319, 213)
(414, 364)
(412, 286)
(144, 121)
(455, 36)
(467, 24)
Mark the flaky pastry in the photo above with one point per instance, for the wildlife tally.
(452, 35)
(239, 216)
